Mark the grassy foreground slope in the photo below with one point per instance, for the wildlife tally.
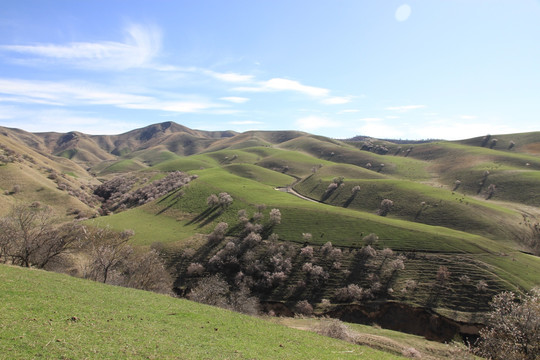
(56, 316)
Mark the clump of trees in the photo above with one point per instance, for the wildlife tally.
(513, 329)
(116, 194)
(31, 237)
(214, 290)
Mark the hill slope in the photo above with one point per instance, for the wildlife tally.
(55, 316)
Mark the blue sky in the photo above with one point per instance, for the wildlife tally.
(449, 69)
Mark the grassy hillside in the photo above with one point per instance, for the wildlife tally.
(55, 316)
(471, 206)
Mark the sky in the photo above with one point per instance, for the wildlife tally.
(418, 69)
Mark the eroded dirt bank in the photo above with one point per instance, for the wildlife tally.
(395, 316)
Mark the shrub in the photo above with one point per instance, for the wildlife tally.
(303, 307)
(370, 239)
(306, 237)
(385, 207)
(351, 292)
(334, 328)
(443, 274)
(195, 269)
(481, 286)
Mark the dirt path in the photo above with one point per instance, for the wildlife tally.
(290, 190)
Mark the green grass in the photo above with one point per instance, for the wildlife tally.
(442, 207)
(149, 226)
(259, 174)
(51, 315)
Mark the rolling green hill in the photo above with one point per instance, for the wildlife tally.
(469, 206)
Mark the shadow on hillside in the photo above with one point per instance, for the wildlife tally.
(327, 194)
(206, 217)
(349, 200)
(175, 195)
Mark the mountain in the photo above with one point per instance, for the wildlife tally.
(455, 222)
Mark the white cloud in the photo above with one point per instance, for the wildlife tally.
(392, 117)
(73, 94)
(62, 120)
(279, 84)
(141, 45)
(230, 77)
(235, 99)
(311, 123)
(468, 117)
(405, 108)
(337, 100)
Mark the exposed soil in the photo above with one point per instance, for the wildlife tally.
(395, 316)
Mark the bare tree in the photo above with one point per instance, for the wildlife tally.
(107, 251)
(29, 237)
(147, 271)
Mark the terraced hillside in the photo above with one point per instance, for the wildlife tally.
(463, 225)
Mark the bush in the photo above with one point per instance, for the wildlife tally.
(195, 269)
(370, 239)
(215, 291)
(513, 328)
(303, 307)
(385, 207)
(334, 328)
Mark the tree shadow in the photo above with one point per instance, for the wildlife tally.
(204, 215)
(349, 200)
(327, 194)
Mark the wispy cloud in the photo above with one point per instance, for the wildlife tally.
(468, 117)
(405, 108)
(235, 99)
(310, 123)
(280, 84)
(61, 120)
(73, 94)
(230, 76)
(141, 44)
(337, 100)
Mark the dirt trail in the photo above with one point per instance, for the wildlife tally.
(290, 190)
